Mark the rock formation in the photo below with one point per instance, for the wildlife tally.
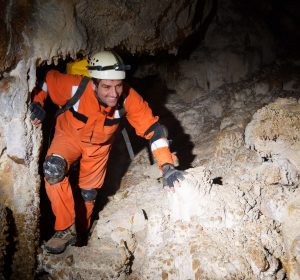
(236, 133)
(235, 215)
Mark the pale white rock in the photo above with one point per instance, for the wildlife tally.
(185, 202)
(15, 140)
(275, 132)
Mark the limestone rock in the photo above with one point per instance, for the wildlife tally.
(3, 238)
(274, 132)
(232, 49)
(139, 26)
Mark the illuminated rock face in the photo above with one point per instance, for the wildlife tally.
(36, 31)
(235, 215)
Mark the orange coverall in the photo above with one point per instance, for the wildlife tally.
(90, 141)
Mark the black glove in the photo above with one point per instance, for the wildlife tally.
(171, 175)
(37, 111)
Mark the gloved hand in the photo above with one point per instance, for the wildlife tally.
(37, 112)
(171, 175)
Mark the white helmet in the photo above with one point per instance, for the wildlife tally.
(107, 65)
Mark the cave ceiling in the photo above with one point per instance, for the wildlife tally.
(43, 30)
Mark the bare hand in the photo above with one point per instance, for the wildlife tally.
(36, 122)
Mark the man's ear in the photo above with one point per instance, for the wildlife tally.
(95, 84)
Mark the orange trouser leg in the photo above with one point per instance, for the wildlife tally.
(93, 164)
(84, 211)
(89, 205)
(60, 194)
(62, 203)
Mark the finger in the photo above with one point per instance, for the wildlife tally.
(181, 177)
(168, 189)
(164, 189)
(177, 184)
(36, 122)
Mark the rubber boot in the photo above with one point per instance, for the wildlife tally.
(61, 239)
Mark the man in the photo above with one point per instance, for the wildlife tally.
(86, 131)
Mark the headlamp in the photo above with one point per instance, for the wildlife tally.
(116, 67)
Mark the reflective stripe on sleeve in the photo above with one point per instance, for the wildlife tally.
(45, 87)
(117, 114)
(160, 143)
(76, 105)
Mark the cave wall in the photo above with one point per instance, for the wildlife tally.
(282, 18)
(19, 178)
(234, 47)
(37, 31)
(14, 19)
(236, 214)
(33, 32)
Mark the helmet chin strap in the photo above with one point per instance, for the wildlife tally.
(95, 82)
(100, 100)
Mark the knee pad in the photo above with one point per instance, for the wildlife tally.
(55, 167)
(89, 195)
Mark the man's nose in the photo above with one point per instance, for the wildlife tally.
(114, 92)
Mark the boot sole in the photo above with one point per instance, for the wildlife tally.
(60, 250)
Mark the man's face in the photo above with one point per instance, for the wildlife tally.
(109, 91)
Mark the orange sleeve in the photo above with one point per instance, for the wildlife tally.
(163, 155)
(60, 86)
(138, 113)
(39, 96)
(140, 116)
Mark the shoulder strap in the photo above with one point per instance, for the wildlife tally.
(120, 105)
(72, 101)
(122, 112)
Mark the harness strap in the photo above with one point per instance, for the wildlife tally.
(78, 116)
(122, 113)
(72, 101)
(128, 143)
